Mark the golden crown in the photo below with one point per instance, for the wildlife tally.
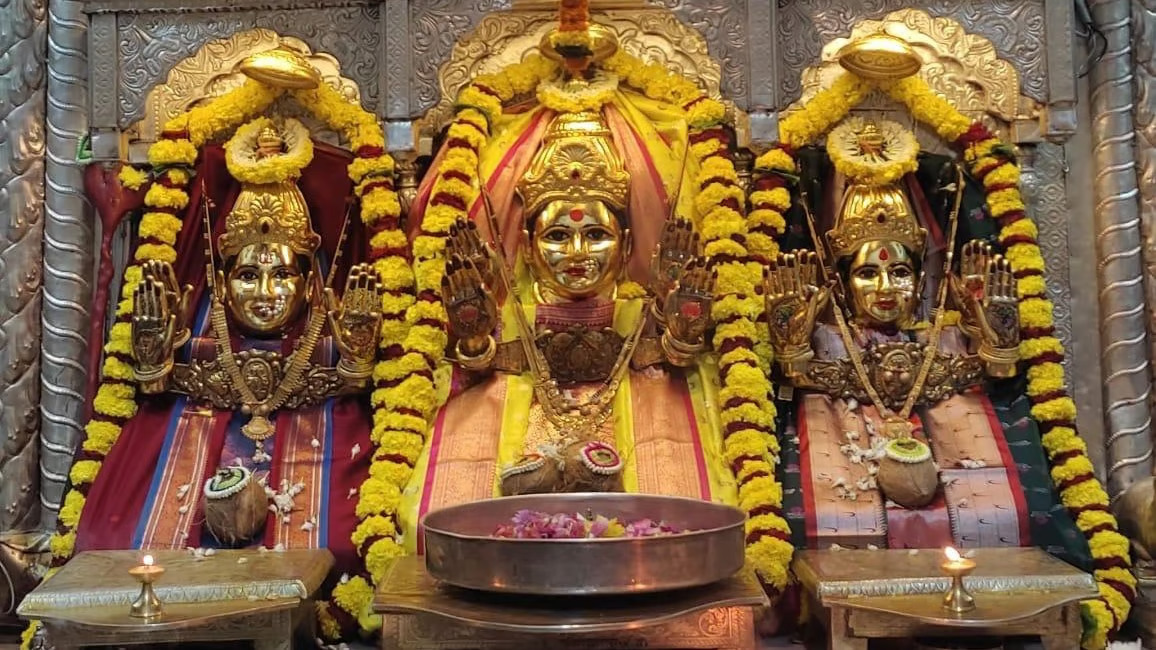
(875, 213)
(265, 214)
(577, 162)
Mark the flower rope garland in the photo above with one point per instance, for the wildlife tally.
(992, 162)
(734, 252)
(172, 159)
(406, 397)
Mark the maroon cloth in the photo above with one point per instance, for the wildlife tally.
(115, 501)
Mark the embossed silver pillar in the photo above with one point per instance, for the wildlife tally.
(1144, 115)
(22, 105)
(1123, 327)
(68, 250)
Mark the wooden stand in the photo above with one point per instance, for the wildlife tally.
(420, 614)
(863, 595)
(231, 596)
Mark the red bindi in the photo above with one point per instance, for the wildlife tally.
(577, 215)
(883, 255)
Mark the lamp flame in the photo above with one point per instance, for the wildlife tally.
(147, 560)
(952, 554)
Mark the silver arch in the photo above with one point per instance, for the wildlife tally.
(1123, 330)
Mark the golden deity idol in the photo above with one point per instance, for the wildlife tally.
(886, 371)
(575, 244)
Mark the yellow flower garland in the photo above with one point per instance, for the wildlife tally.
(990, 160)
(176, 153)
(244, 166)
(748, 412)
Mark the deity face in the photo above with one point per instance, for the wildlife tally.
(882, 283)
(577, 250)
(265, 289)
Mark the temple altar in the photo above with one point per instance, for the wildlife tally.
(295, 274)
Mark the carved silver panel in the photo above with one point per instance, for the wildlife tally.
(23, 36)
(1016, 27)
(1047, 199)
(68, 252)
(151, 43)
(436, 25)
(1123, 326)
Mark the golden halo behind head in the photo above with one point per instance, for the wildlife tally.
(879, 57)
(281, 67)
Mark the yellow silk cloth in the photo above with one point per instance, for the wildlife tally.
(665, 426)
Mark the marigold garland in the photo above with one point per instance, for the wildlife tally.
(733, 249)
(414, 334)
(173, 157)
(992, 161)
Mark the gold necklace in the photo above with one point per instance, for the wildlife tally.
(567, 414)
(259, 427)
(895, 425)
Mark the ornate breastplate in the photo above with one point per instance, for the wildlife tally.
(892, 369)
(263, 370)
(579, 354)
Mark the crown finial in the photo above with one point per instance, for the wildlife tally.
(269, 141)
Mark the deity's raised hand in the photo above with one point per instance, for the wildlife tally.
(687, 307)
(178, 297)
(470, 306)
(794, 302)
(969, 287)
(677, 248)
(153, 331)
(999, 317)
(466, 242)
(356, 318)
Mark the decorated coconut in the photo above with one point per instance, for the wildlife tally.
(907, 474)
(235, 505)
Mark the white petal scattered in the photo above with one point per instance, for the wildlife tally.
(355, 451)
(285, 519)
(344, 578)
(970, 554)
(183, 509)
(913, 551)
(253, 597)
(182, 491)
(968, 463)
(315, 443)
(262, 549)
(210, 552)
(836, 547)
(279, 548)
(307, 526)
(872, 547)
(352, 493)
(242, 560)
(962, 503)
(852, 404)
